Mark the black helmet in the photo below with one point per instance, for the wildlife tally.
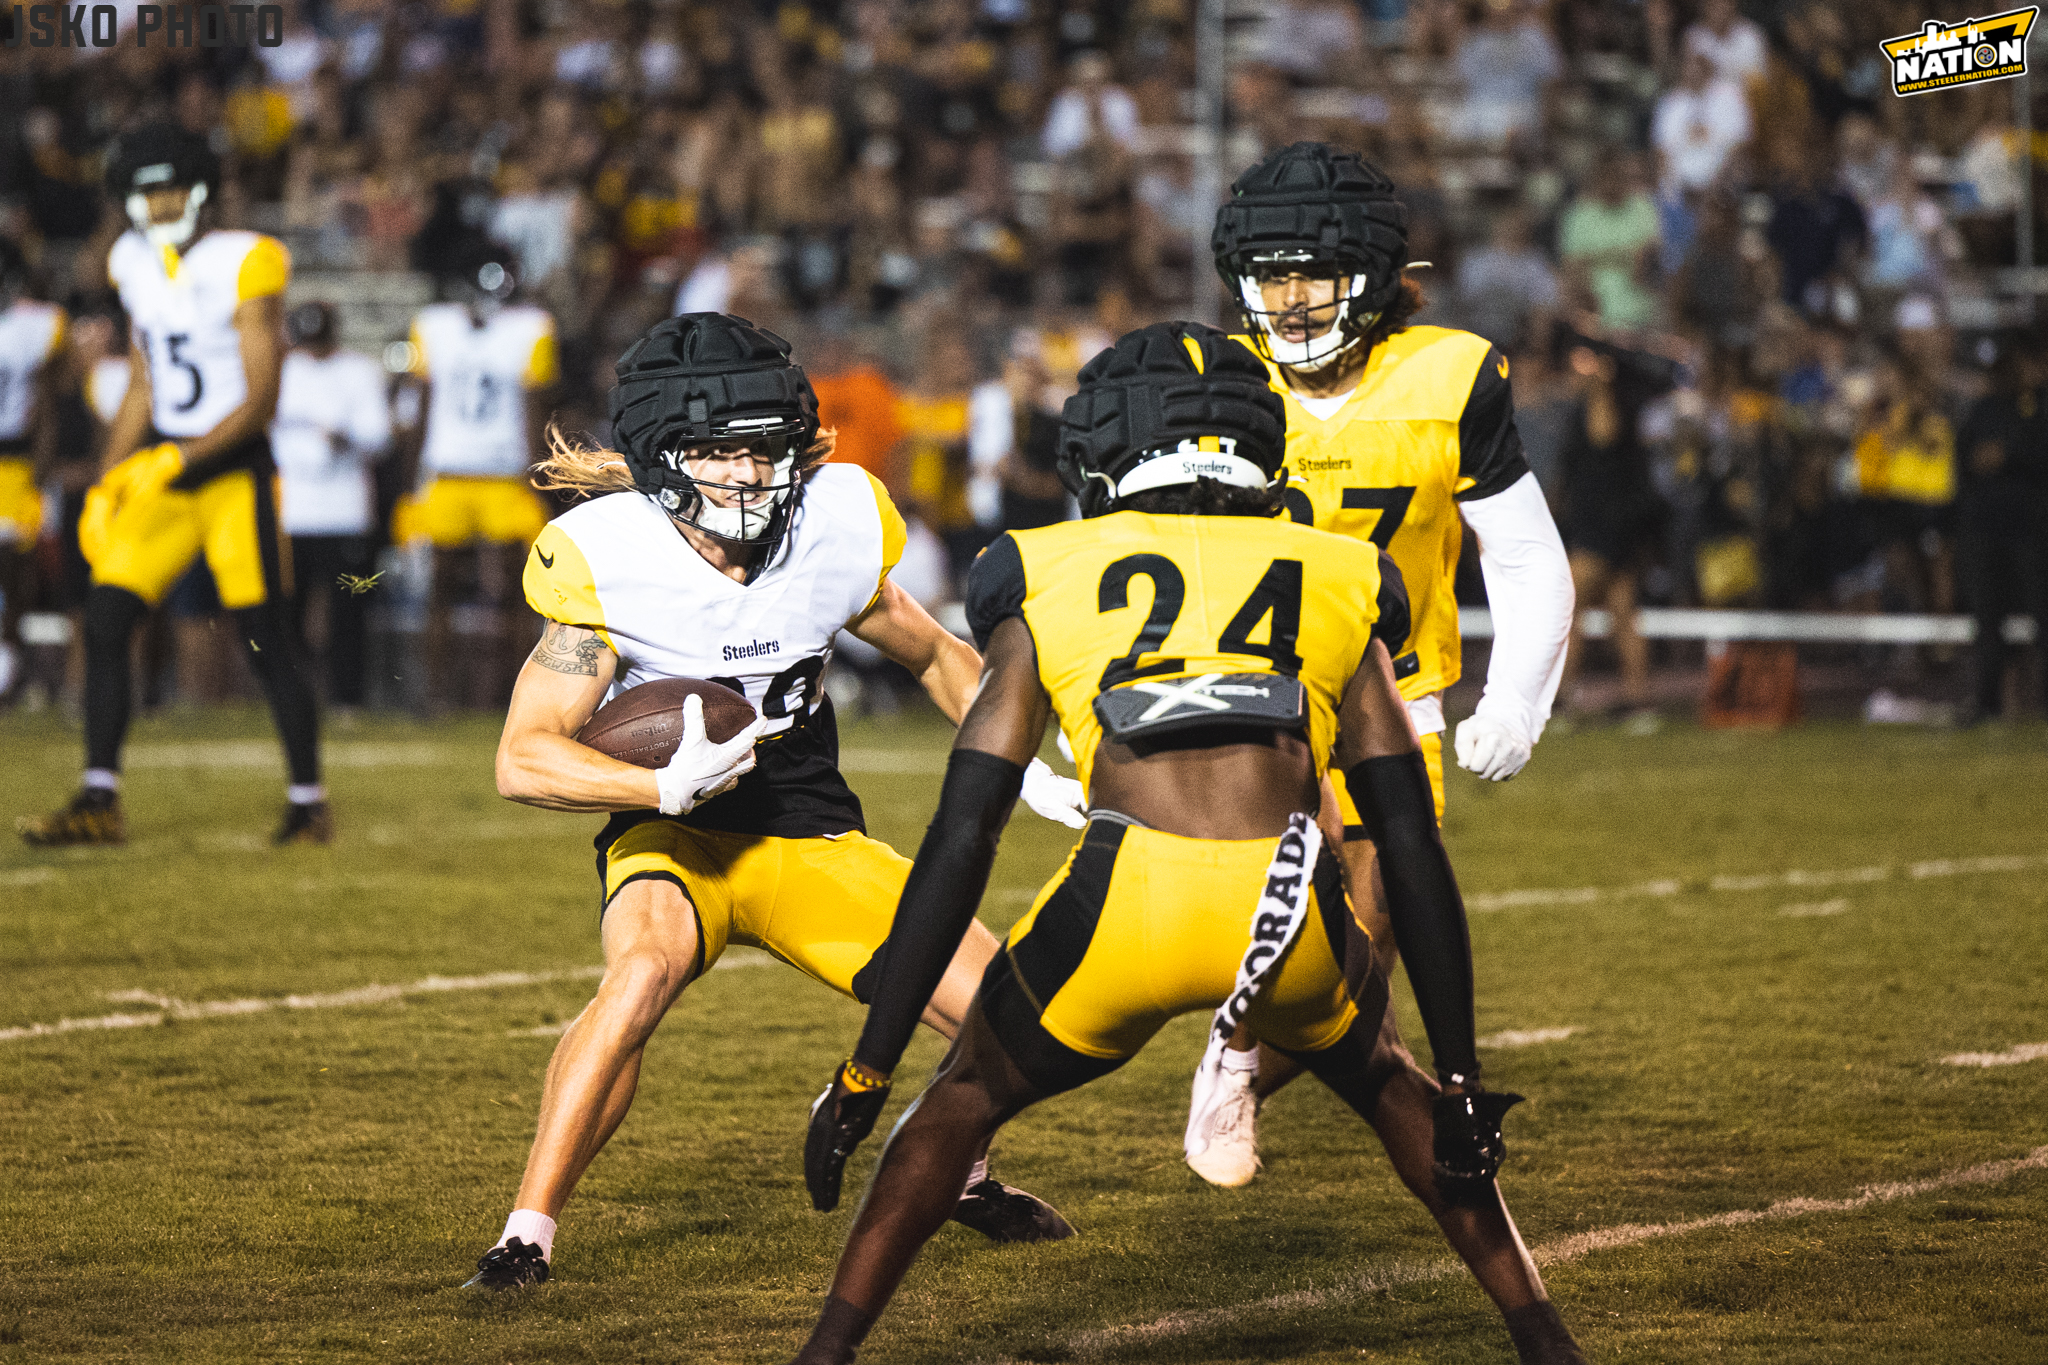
(706, 379)
(479, 273)
(13, 272)
(162, 156)
(311, 324)
(1318, 211)
(1169, 404)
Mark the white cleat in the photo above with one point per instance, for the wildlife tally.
(1222, 1141)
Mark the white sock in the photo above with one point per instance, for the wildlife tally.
(101, 780)
(311, 794)
(1246, 1061)
(978, 1174)
(532, 1227)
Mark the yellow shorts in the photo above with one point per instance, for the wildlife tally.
(1432, 758)
(455, 511)
(1141, 926)
(21, 503)
(822, 905)
(151, 537)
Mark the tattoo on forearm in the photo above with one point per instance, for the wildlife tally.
(568, 649)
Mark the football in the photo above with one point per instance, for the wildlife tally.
(644, 724)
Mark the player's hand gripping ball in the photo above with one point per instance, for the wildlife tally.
(1468, 1145)
(698, 737)
(842, 1116)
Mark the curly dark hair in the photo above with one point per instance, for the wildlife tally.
(1410, 301)
(1207, 497)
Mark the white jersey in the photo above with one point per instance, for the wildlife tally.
(30, 333)
(183, 311)
(479, 374)
(327, 487)
(618, 565)
(106, 384)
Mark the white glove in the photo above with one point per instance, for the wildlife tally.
(1490, 748)
(1055, 797)
(700, 769)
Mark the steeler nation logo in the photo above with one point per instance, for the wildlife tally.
(1942, 55)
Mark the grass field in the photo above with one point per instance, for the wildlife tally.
(1763, 946)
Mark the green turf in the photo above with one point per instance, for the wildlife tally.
(313, 1184)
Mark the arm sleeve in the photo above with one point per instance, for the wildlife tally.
(1489, 449)
(543, 366)
(1394, 621)
(895, 534)
(995, 588)
(1529, 587)
(560, 586)
(266, 270)
(1399, 813)
(946, 885)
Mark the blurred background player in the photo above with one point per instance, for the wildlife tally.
(31, 339)
(716, 543)
(1393, 430)
(333, 422)
(188, 470)
(488, 364)
(1202, 729)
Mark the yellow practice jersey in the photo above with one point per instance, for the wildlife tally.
(1430, 424)
(1132, 601)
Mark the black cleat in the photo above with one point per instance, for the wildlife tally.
(92, 817)
(1003, 1213)
(309, 824)
(511, 1266)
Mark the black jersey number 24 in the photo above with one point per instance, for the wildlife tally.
(1277, 594)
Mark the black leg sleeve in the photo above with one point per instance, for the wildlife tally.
(279, 664)
(348, 614)
(110, 617)
(1399, 812)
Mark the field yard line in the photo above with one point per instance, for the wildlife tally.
(169, 1008)
(1570, 1248)
(1764, 881)
(2012, 1056)
(1527, 1037)
(265, 753)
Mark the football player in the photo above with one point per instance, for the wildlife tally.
(187, 470)
(1393, 430)
(716, 545)
(487, 363)
(31, 333)
(1206, 669)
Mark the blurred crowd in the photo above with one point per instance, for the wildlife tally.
(1748, 293)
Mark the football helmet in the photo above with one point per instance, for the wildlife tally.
(1313, 210)
(1170, 404)
(480, 277)
(162, 156)
(706, 380)
(13, 272)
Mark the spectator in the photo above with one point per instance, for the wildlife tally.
(1723, 281)
(1906, 477)
(1506, 63)
(1611, 235)
(933, 415)
(1815, 228)
(1910, 241)
(1501, 284)
(1090, 108)
(1697, 126)
(333, 422)
(1732, 44)
(2003, 518)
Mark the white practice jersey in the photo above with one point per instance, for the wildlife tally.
(30, 334)
(182, 308)
(479, 374)
(618, 565)
(326, 484)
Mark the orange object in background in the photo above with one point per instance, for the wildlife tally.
(861, 405)
(1752, 685)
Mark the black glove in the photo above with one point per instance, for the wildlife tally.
(1468, 1146)
(840, 1119)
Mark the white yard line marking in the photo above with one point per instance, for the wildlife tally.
(265, 753)
(1815, 909)
(1565, 1249)
(1527, 1037)
(1764, 881)
(28, 876)
(169, 1008)
(2012, 1056)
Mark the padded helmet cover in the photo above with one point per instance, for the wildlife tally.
(157, 156)
(1157, 387)
(1313, 200)
(703, 378)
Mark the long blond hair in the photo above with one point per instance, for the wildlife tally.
(591, 471)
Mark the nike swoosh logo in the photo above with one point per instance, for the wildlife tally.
(1503, 367)
(547, 561)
